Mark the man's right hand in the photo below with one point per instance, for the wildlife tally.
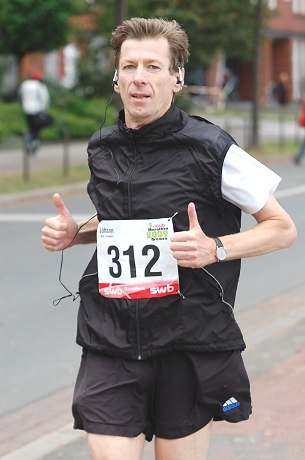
(58, 232)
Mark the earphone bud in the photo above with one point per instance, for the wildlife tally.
(115, 78)
(180, 80)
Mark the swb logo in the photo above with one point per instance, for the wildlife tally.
(162, 289)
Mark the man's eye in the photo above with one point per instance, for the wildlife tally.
(153, 67)
(128, 67)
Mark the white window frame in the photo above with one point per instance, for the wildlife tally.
(272, 4)
(298, 6)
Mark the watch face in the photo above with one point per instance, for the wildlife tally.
(221, 253)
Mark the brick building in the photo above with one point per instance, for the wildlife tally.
(59, 65)
(283, 50)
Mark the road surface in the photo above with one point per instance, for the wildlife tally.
(39, 358)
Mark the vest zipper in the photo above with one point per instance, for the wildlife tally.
(138, 330)
(130, 213)
(131, 172)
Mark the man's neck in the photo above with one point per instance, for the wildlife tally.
(137, 124)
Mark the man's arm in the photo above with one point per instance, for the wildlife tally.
(274, 230)
(62, 231)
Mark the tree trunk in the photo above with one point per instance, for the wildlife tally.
(121, 10)
(256, 74)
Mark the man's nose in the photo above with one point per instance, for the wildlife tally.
(139, 74)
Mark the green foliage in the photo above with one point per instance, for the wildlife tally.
(33, 25)
(12, 122)
(94, 72)
(77, 116)
(184, 102)
(226, 25)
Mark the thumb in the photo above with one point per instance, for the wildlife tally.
(193, 219)
(60, 205)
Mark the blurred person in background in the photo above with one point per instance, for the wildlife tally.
(281, 97)
(281, 90)
(300, 154)
(35, 101)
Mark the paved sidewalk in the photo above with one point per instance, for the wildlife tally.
(48, 156)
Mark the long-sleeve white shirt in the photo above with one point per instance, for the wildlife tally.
(34, 96)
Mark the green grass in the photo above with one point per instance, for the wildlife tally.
(55, 177)
(41, 179)
(274, 149)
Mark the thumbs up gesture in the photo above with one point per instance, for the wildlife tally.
(193, 248)
(58, 232)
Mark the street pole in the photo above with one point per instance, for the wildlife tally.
(26, 163)
(66, 155)
(120, 11)
(256, 73)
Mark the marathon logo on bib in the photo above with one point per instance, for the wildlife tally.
(134, 259)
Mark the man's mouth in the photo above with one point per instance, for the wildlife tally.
(139, 96)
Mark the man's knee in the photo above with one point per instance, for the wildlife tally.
(192, 447)
(105, 447)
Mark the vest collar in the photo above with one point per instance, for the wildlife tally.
(173, 120)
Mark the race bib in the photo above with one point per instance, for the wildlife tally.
(134, 259)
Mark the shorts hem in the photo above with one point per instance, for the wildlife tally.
(112, 430)
(179, 432)
(234, 418)
(182, 432)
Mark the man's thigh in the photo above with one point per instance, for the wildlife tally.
(112, 396)
(192, 447)
(104, 447)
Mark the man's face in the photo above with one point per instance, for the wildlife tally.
(145, 83)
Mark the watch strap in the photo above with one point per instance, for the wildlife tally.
(218, 242)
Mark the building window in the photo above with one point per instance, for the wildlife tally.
(298, 6)
(272, 4)
(298, 68)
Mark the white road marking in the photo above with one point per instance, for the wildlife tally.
(288, 192)
(40, 217)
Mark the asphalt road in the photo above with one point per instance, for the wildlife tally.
(38, 356)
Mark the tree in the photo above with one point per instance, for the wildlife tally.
(226, 25)
(33, 25)
(259, 5)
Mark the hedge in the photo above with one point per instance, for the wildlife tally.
(79, 117)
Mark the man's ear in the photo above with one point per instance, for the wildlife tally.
(180, 80)
(115, 82)
(116, 88)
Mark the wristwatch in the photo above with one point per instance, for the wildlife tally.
(221, 253)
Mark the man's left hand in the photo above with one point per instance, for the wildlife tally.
(192, 248)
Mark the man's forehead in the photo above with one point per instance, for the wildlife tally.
(147, 48)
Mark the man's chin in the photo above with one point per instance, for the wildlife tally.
(141, 113)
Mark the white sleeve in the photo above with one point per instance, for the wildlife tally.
(246, 182)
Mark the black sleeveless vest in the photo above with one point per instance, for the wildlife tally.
(155, 172)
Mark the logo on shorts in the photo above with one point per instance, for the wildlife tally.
(230, 404)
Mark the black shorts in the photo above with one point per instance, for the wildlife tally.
(170, 396)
